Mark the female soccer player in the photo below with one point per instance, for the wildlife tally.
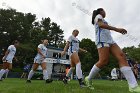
(7, 59)
(73, 48)
(106, 45)
(40, 59)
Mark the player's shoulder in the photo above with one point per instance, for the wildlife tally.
(71, 36)
(99, 16)
(40, 45)
(11, 46)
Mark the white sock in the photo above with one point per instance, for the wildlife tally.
(129, 75)
(7, 70)
(94, 71)
(1, 73)
(70, 71)
(45, 74)
(31, 73)
(79, 71)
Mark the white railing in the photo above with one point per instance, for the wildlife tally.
(53, 60)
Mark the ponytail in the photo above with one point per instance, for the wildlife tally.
(95, 13)
(93, 16)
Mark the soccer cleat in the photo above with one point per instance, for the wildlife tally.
(28, 81)
(65, 80)
(88, 83)
(82, 84)
(135, 90)
(49, 80)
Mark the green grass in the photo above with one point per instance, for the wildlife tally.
(38, 86)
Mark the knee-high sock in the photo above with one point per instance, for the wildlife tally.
(94, 71)
(70, 71)
(31, 73)
(129, 75)
(79, 71)
(7, 70)
(45, 74)
(1, 73)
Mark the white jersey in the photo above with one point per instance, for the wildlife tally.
(74, 44)
(11, 54)
(102, 35)
(43, 51)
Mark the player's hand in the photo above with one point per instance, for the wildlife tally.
(3, 59)
(16, 60)
(85, 51)
(121, 30)
(63, 53)
(43, 56)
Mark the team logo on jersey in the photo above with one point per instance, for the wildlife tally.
(75, 41)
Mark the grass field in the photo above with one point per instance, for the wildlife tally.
(38, 86)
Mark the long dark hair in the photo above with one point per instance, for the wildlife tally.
(95, 13)
(15, 42)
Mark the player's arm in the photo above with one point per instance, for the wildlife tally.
(39, 51)
(101, 24)
(82, 50)
(6, 54)
(15, 58)
(47, 53)
(65, 48)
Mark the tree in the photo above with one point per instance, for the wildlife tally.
(25, 28)
(15, 24)
(56, 34)
(133, 53)
(90, 47)
(53, 32)
(90, 58)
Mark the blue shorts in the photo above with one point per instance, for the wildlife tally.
(26, 71)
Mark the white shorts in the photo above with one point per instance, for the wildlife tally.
(70, 53)
(8, 61)
(39, 61)
(103, 44)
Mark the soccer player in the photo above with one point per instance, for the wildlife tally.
(26, 70)
(40, 60)
(73, 47)
(106, 46)
(7, 59)
(114, 75)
